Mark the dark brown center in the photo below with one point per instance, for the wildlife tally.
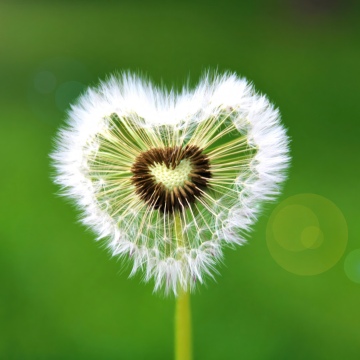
(190, 177)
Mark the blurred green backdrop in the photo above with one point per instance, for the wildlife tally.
(61, 295)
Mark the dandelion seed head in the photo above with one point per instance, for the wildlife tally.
(145, 165)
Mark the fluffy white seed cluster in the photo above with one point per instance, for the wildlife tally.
(238, 130)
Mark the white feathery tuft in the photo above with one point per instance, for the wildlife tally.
(239, 132)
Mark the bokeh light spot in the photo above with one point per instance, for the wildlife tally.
(44, 82)
(352, 266)
(287, 232)
(67, 92)
(312, 237)
(306, 234)
(54, 85)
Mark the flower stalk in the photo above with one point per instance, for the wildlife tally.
(183, 343)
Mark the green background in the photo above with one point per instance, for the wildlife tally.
(61, 295)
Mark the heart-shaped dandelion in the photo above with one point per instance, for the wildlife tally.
(169, 179)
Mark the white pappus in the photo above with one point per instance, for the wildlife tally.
(170, 178)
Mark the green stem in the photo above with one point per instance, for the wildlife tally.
(183, 327)
(183, 346)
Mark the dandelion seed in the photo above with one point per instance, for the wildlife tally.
(143, 164)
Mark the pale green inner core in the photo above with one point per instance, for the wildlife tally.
(172, 178)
